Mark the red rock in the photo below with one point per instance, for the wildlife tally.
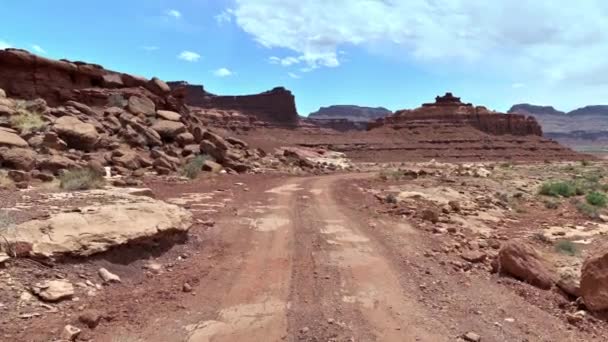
(594, 281)
(522, 261)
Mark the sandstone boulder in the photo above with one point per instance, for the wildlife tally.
(168, 129)
(594, 281)
(184, 139)
(211, 166)
(17, 158)
(56, 163)
(522, 261)
(168, 115)
(77, 134)
(11, 139)
(141, 105)
(158, 86)
(101, 226)
(54, 290)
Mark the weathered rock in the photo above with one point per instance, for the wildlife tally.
(474, 256)
(430, 215)
(112, 81)
(211, 166)
(82, 108)
(51, 140)
(77, 134)
(97, 228)
(11, 139)
(594, 281)
(19, 176)
(237, 142)
(17, 158)
(472, 337)
(184, 139)
(108, 277)
(54, 290)
(168, 115)
(70, 333)
(90, 318)
(158, 86)
(126, 158)
(168, 129)
(141, 105)
(522, 261)
(55, 163)
(2, 93)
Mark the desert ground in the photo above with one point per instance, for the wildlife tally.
(391, 252)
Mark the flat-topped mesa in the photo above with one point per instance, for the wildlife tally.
(449, 112)
(27, 76)
(276, 106)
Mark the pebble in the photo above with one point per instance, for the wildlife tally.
(108, 276)
(187, 287)
(472, 337)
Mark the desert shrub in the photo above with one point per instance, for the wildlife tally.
(585, 162)
(566, 247)
(27, 121)
(5, 223)
(391, 199)
(81, 179)
(506, 165)
(587, 209)
(194, 167)
(551, 204)
(597, 199)
(117, 100)
(540, 237)
(556, 189)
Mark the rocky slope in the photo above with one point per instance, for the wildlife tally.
(350, 112)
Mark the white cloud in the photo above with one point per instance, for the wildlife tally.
(287, 61)
(38, 48)
(518, 85)
(541, 41)
(150, 47)
(293, 75)
(189, 56)
(4, 45)
(223, 72)
(174, 13)
(224, 17)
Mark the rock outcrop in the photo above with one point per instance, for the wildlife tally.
(276, 106)
(594, 281)
(448, 110)
(523, 262)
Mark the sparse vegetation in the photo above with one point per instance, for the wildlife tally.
(587, 210)
(597, 199)
(81, 179)
(551, 204)
(566, 247)
(391, 198)
(585, 163)
(194, 167)
(27, 121)
(539, 236)
(557, 189)
(117, 100)
(5, 223)
(396, 174)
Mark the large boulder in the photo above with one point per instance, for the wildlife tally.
(17, 158)
(141, 105)
(56, 163)
(75, 133)
(522, 261)
(594, 281)
(100, 226)
(168, 129)
(168, 115)
(11, 139)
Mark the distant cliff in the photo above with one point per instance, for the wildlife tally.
(277, 106)
(350, 112)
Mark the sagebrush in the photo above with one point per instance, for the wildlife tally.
(81, 179)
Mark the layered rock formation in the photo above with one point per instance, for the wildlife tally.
(276, 106)
(350, 113)
(449, 111)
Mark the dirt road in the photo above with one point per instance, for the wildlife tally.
(303, 263)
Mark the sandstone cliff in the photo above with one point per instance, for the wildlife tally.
(276, 106)
(350, 112)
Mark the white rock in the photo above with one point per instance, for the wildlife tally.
(108, 276)
(54, 290)
(70, 333)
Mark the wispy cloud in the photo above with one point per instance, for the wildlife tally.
(38, 48)
(286, 61)
(294, 75)
(223, 72)
(150, 48)
(4, 45)
(189, 56)
(174, 13)
(224, 17)
(518, 85)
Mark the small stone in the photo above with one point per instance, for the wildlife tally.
(70, 333)
(305, 330)
(472, 337)
(577, 317)
(187, 288)
(108, 277)
(91, 318)
(473, 256)
(54, 290)
(154, 267)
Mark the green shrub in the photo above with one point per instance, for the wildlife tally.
(587, 210)
(27, 122)
(566, 247)
(556, 189)
(391, 199)
(585, 162)
(194, 167)
(81, 179)
(597, 199)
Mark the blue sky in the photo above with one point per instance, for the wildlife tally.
(391, 53)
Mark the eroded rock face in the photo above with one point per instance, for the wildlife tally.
(77, 134)
(594, 281)
(96, 228)
(523, 262)
(11, 139)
